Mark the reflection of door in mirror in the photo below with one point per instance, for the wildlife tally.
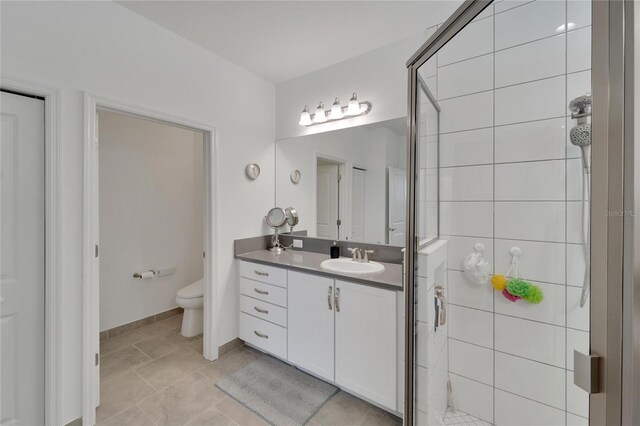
(358, 182)
(397, 182)
(327, 199)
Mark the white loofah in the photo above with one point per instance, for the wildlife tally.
(476, 268)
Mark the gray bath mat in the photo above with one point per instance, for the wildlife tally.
(277, 392)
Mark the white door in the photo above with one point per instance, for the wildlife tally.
(365, 339)
(310, 323)
(22, 260)
(357, 204)
(327, 201)
(397, 181)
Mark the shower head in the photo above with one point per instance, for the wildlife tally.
(581, 106)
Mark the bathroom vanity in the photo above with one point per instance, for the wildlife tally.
(342, 329)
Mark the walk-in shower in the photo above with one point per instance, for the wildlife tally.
(580, 135)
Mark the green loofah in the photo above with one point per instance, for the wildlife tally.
(518, 287)
(535, 295)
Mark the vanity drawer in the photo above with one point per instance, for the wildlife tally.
(265, 292)
(264, 335)
(264, 310)
(263, 273)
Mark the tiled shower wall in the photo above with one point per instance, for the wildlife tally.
(510, 177)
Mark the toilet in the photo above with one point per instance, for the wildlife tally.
(191, 299)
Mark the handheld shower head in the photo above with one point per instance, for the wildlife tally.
(580, 135)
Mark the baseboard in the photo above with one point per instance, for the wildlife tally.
(121, 329)
(229, 346)
(76, 422)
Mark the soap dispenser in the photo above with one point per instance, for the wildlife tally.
(335, 250)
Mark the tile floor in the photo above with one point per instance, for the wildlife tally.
(461, 418)
(154, 376)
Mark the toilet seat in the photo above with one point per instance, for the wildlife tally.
(192, 291)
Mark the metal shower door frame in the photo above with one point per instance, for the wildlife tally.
(610, 57)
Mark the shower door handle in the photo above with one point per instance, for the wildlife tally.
(586, 369)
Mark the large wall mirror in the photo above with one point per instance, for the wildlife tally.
(347, 184)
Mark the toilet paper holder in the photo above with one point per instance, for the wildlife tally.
(145, 275)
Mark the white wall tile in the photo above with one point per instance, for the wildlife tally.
(540, 382)
(539, 221)
(466, 112)
(577, 399)
(577, 317)
(471, 361)
(579, 12)
(551, 310)
(429, 68)
(422, 341)
(574, 222)
(537, 100)
(432, 85)
(466, 293)
(578, 84)
(573, 420)
(575, 265)
(466, 218)
(530, 339)
(523, 63)
(504, 5)
(572, 150)
(529, 22)
(538, 262)
(579, 50)
(467, 183)
(471, 325)
(461, 247)
(536, 140)
(465, 77)
(484, 14)
(421, 388)
(466, 148)
(575, 172)
(472, 397)
(474, 40)
(530, 181)
(422, 299)
(576, 340)
(515, 410)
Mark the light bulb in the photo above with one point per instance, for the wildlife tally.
(336, 110)
(354, 106)
(320, 116)
(305, 117)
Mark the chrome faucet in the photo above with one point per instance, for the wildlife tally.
(356, 254)
(366, 255)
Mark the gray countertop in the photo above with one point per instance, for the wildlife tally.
(304, 261)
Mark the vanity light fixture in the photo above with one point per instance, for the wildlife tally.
(320, 116)
(337, 111)
(305, 117)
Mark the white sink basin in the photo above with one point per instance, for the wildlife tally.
(348, 266)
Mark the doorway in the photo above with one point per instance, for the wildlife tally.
(330, 199)
(22, 266)
(200, 261)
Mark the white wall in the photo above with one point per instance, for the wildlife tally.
(105, 49)
(379, 76)
(151, 215)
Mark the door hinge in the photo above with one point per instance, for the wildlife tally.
(96, 250)
(586, 372)
(97, 359)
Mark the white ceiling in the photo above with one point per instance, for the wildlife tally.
(281, 40)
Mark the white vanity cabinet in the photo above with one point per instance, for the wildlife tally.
(311, 323)
(365, 341)
(345, 333)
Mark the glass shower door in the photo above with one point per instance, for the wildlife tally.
(498, 224)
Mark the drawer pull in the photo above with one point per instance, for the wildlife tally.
(336, 300)
(329, 294)
(262, 274)
(264, 336)
(262, 311)
(260, 291)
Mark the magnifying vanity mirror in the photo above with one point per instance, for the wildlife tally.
(355, 182)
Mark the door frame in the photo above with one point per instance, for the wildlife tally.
(345, 168)
(90, 331)
(52, 302)
(612, 49)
